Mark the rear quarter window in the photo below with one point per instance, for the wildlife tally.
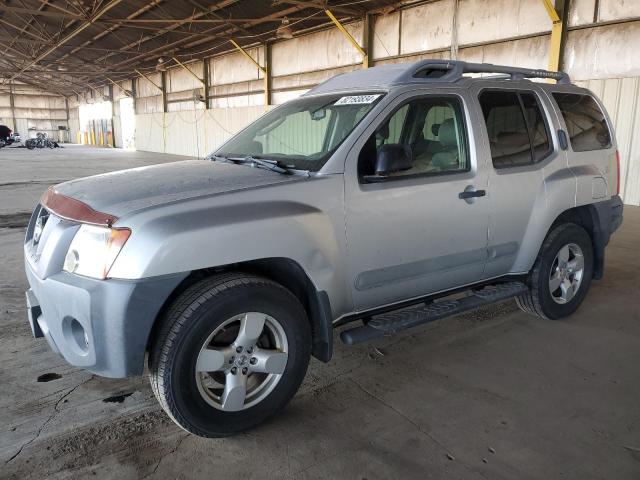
(586, 123)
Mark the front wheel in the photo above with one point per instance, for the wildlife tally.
(231, 351)
(561, 275)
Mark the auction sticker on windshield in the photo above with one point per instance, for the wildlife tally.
(357, 99)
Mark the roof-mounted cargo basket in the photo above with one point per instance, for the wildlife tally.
(452, 70)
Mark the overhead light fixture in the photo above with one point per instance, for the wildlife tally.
(284, 30)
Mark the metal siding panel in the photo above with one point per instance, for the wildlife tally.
(632, 169)
(618, 9)
(145, 88)
(528, 53)
(624, 126)
(316, 51)
(185, 133)
(603, 52)
(386, 35)
(149, 132)
(235, 67)
(486, 20)
(581, 12)
(427, 27)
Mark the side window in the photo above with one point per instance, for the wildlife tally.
(431, 132)
(516, 127)
(586, 124)
(537, 126)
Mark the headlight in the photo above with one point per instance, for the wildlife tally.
(94, 249)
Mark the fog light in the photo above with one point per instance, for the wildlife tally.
(76, 335)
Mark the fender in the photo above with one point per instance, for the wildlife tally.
(244, 226)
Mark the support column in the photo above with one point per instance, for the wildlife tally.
(205, 82)
(267, 74)
(367, 39)
(165, 105)
(205, 114)
(557, 15)
(66, 107)
(13, 109)
(134, 94)
(112, 142)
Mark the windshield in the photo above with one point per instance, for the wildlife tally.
(304, 133)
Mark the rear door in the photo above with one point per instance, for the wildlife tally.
(518, 146)
(411, 234)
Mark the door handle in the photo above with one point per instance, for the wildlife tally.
(471, 194)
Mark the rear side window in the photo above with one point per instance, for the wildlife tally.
(586, 123)
(517, 130)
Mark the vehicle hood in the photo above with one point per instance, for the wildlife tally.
(123, 192)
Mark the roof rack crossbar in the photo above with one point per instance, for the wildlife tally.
(452, 70)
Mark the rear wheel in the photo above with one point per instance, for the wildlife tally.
(232, 350)
(561, 276)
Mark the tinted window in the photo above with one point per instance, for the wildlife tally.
(586, 124)
(432, 132)
(507, 129)
(537, 126)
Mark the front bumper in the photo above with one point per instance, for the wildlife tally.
(100, 325)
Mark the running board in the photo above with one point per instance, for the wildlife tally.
(395, 321)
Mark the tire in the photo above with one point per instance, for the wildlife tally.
(540, 300)
(30, 144)
(212, 313)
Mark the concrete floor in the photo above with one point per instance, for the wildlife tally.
(495, 394)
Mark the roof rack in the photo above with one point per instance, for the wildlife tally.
(452, 70)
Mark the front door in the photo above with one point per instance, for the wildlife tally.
(423, 228)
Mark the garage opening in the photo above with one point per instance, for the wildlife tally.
(96, 124)
(128, 123)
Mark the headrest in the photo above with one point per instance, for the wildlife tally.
(447, 133)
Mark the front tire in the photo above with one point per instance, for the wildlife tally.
(561, 275)
(231, 351)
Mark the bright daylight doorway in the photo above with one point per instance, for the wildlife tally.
(127, 123)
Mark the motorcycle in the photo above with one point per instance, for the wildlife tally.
(41, 141)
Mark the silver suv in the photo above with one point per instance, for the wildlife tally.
(385, 198)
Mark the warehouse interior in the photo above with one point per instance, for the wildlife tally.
(489, 394)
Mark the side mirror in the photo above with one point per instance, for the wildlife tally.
(393, 158)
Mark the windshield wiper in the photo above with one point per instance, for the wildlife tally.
(268, 164)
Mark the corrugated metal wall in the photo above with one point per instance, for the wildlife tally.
(34, 111)
(621, 97)
(193, 133)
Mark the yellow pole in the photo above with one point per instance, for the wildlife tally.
(556, 36)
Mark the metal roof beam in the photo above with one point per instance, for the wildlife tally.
(66, 38)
